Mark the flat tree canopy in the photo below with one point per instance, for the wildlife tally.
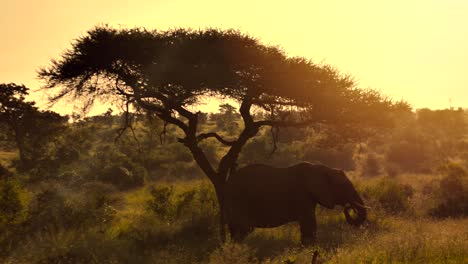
(167, 72)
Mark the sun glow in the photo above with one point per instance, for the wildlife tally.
(415, 50)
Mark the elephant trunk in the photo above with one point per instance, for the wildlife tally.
(359, 209)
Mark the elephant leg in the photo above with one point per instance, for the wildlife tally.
(308, 226)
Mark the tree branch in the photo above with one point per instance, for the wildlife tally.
(245, 111)
(282, 123)
(228, 162)
(203, 136)
(162, 113)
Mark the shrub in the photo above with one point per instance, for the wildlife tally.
(57, 245)
(197, 203)
(391, 196)
(161, 202)
(10, 202)
(231, 253)
(111, 166)
(371, 166)
(255, 150)
(123, 177)
(412, 151)
(58, 207)
(452, 193)
(189, 205)
(182, 170)
(98, 194)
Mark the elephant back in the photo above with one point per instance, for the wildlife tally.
(262, 178)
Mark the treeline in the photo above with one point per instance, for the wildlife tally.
(126, 150)
(60, 178)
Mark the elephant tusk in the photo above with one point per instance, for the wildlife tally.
(364, 206)
(360, 205)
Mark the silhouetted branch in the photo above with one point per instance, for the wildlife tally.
(281, 123)
(245, 111)
(203, 136)
(128, 124)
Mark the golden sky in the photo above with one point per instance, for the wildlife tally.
(415, 50)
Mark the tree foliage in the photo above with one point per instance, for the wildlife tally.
(167, 72)
(30, 128)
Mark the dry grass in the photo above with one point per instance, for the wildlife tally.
(7, 157)
(135, 235)
(410, 241)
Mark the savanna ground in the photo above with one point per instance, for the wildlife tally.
(90, 200)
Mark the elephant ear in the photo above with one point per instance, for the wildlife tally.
(338, 177)
(320, 186)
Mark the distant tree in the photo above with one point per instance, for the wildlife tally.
(30, 128)
(108, 117)
(202, 117)
(226, 119)
(168, 72)
(446, 128)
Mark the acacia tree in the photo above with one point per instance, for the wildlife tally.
(166, 73)
(30, 128)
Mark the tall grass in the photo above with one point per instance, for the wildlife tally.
(184, 229)
(410, 241)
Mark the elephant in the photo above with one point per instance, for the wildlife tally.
(262, 196)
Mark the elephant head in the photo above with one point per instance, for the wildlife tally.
(331, 187)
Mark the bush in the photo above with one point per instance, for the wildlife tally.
(123, 177)
(255, 150)
(182, 170)
(112, 166)
(412, 151)
(232, 253)
(58, 207)
(74, 246)
(189, 205)
(161, 202)
(10, 202)
(452, 193)
(391, 196)
(371, 166)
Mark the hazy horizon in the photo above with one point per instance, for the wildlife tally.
(413, 51)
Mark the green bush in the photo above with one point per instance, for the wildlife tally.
(12, 215)
(232, 253)
(112, 166)
(255, 151)
(161, 202)
(10, 202)
(412, 151)
(123, 177)
(452, 193)
(189, 205)
(58, 245)
(58, 207)
(181, 170)
(371, 165)
(390, 195)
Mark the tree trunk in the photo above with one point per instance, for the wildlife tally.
(220, 194)
(217, 180)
